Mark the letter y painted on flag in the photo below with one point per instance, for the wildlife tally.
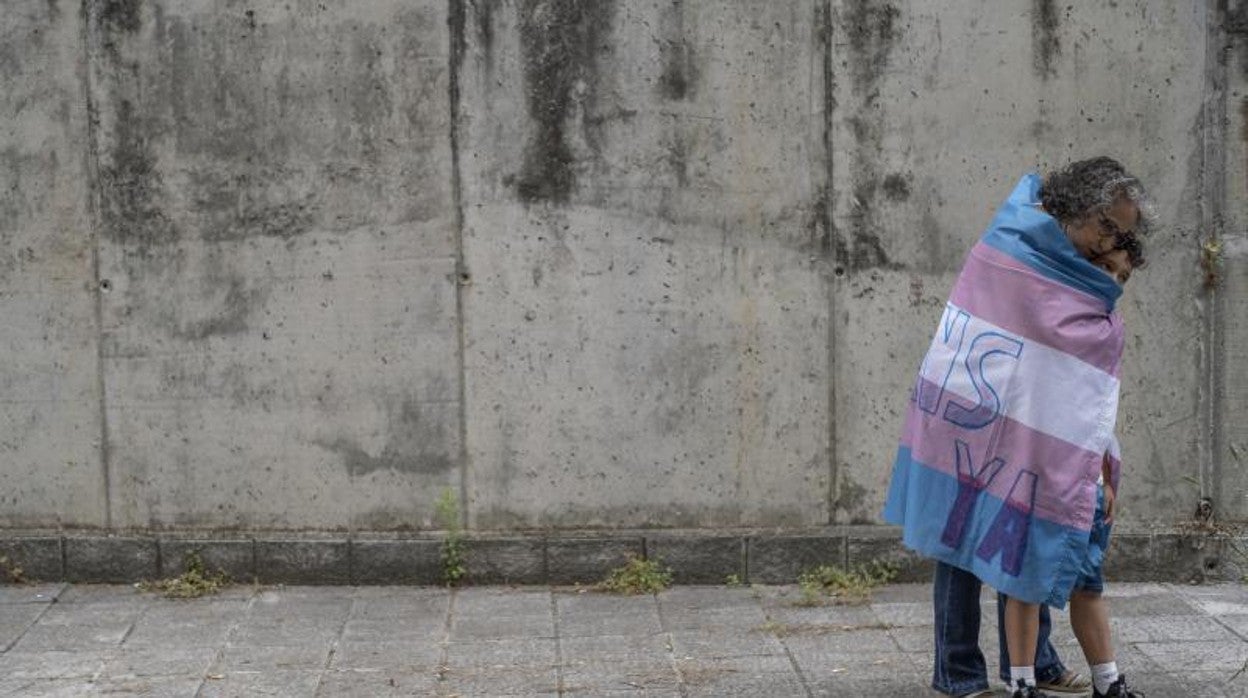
(970, 483)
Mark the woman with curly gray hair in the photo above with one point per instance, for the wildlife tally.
(999, 485)
(1102, 208)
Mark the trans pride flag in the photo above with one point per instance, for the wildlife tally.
(1013, 411)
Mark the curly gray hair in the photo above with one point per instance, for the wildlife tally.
(1089, 188)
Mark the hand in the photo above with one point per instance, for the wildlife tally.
(1109, 503)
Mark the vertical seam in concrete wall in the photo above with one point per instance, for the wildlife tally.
(824, 32)
(93, 222)
(455, 24)
(1212, 208)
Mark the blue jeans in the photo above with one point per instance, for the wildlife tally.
(960, 666)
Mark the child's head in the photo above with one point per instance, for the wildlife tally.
(1116, 263)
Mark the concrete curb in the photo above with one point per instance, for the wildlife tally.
(695, 557)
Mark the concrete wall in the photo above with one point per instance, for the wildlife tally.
(308, 265)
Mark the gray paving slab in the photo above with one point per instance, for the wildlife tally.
(178, 686)
(640, 621)
(47, 688)
(260, 658)
(1180, 657)
(52, 664)
(396, 628)
(607, 648)
(502, 627)
(744, 684)
(687, 641)
(159, 661)
(397, 654)
(715, 643)
(490, 601)
(527, 652)
(207, 623)
(590, 678)
(282, 683)
(500, 681)
(371, 683)
(1193, 628)
(15, 619)
(696, 598)
(1237, 624)
(739, 619)
(572, 602)
(30, 593)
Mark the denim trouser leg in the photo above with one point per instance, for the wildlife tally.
(959, 664)
(1049, 666)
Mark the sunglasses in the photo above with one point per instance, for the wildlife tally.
(1126, 240)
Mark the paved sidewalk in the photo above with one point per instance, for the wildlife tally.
(60, 640)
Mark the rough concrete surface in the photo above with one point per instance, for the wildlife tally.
(56, 640)
(273, 269)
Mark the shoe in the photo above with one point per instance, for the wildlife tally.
(1070, 682)
(1024, 691)
(1118, 689)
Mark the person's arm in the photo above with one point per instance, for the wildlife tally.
(1107, 478)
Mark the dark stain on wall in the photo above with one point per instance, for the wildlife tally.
(1046, 45)
(850, 503)
(54, 10)
(678, 158)
(125, 16)
(680, 74)
(131, 185)
(483, 11)
(897, 187)
(230, 319)
(369, 95)
(873, 30)
(415, 446)
(561, 41)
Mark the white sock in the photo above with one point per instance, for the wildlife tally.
(1104, 676)
(1026, 673)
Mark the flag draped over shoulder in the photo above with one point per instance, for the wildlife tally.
(1013, 410)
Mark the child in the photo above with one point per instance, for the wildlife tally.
(1089, 613)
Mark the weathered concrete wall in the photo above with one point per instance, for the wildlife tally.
(50, 425)
(940, 107)
(646, 330)
(587, 264)
(277, 230)
(1226, 481)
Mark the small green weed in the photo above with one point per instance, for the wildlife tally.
(733, 580)
(192, 584)
(11, 572)
(453, 569)
(637, 576)
(829, 584)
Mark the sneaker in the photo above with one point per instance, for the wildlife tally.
(1118, 689)
(1025, 691)
(1068, 682)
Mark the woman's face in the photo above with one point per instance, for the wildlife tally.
(1094, 237)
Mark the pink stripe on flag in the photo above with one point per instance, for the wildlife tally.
(1003, 291)
(1066, 472)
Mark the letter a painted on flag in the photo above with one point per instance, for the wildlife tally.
(1008, 535)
